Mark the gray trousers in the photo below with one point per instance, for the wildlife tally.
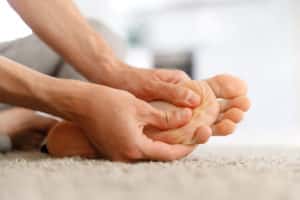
(34, 53)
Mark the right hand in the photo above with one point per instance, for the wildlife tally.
(114, 121)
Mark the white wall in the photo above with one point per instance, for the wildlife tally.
(11, 24)
(295, 13)
(251, 40)
(260, 50)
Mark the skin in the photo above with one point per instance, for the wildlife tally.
(62, 27)
(85, 104)
(85, 49)
(67, 139)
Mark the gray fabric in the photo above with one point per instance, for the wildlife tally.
(5, 143)
(32, 52)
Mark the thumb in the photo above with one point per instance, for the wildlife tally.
(168, 119)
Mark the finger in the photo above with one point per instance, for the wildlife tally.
(227, 86)
(156, 150)
(198, 136)
(234, 114)
(201, 135)
(176, 94)
(171, 76)
(223, 128)
(168, 119)
(242, 103)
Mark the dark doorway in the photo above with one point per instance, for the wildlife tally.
(175, 60)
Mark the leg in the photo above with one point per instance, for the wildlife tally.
(24, 127)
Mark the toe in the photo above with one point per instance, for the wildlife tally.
(234, 114)
(223, 128)
(227, 86)
(242, 103)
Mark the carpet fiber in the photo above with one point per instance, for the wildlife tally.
(212, 172)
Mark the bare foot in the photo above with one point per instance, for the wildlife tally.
(223, 104)
(25, 128)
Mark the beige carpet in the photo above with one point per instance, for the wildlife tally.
(213, 172)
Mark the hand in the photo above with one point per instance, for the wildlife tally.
(153, 84)
(114, 121)
(167, 85)
(223, 102)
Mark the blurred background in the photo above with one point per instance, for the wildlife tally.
(257, 40)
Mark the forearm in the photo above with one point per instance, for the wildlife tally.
(62, 27)
(24, 87)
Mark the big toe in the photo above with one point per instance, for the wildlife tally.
(227, 86)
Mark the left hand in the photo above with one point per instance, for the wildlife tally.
(155, 84)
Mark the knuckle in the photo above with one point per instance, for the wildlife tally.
(164, 119)
(180, 74)
(182, 92)
(176, 91)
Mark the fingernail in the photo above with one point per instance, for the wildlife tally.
(193, 99)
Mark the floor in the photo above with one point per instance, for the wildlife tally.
(212, 172)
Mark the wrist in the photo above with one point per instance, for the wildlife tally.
(60, 97)
(113, 75)
(100, 64)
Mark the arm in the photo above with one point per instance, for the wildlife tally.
(62, 27)
(60, 24)
(24, 87)
(100, 111)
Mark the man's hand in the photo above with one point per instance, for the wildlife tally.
(114, 121)
(153, 84)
